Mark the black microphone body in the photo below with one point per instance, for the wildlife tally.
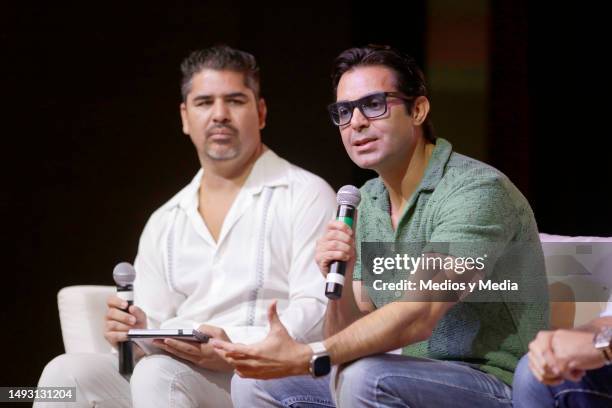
(126, 357)
(124, 277)
(348, 199)
(333, 286)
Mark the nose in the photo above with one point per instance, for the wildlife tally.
(358, 121)
(220, 112)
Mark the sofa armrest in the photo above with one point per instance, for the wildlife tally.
(81, 311)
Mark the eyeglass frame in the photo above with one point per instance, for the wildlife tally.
(358, 102)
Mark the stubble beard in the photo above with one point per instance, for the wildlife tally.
(217, 151)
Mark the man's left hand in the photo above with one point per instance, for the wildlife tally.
(278, 355)
(201, 354)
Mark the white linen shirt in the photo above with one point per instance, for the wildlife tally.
(265, 252)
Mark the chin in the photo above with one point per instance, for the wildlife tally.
(365, 166)
(364, 162)
(222, 154)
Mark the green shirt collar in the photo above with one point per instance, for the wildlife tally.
(433, 174)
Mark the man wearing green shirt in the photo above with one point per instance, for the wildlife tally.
(457, 348)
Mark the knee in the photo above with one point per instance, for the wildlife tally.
(288, 391)
(64, 371)
(525, 385)
(356, 383)
(244, 391)
(523, 377)
(247, 392)
(354, 374)
(152, 373)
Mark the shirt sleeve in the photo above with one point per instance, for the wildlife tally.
(151, 290)
(313, 208)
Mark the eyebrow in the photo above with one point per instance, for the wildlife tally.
(364, 96)
(229, 95)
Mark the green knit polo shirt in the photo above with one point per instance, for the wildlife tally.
(462, 200)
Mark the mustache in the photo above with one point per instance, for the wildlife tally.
(226, 128)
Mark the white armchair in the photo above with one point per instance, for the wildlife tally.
(81, 311)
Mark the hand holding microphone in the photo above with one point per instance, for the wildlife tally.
(337, 246)
(122, 315)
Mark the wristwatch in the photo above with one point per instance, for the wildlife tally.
(320, 363)
(603, 342)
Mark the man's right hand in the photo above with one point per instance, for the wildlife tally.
(119, 322)
(542, 361)
(338, 244)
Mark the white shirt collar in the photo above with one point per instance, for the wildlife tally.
(269, 170)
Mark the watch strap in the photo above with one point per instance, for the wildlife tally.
(320, 362)
(603, 342)
(318, 347)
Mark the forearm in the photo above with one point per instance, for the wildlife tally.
(596, 325)
(388, 328)
(342, 312)
(339, 315)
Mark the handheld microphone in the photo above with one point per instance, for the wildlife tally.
(348, 199)
(124, 275)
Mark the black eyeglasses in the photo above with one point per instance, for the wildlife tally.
(371, 106)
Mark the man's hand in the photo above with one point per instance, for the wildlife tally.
(202, 355)
(278, 355)
(555, 356)
(542, 361)
(119, 322)
(338, 244)
(576, 352)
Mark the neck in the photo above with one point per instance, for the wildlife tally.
(403, 179)
(229, 174)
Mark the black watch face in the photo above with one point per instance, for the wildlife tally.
(321, 366)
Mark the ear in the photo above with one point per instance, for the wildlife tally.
(420, 110)
(183, 110)
(262, 112)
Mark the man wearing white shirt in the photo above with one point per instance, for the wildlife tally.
(568, 368)
(214, 257)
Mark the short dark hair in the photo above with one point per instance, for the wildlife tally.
(220, 57)
(409, 78)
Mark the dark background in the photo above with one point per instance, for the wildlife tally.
(90, 117)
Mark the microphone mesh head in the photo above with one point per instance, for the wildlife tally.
(348, 195)
(124, 274)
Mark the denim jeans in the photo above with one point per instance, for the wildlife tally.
(594, 390)
(379, 381)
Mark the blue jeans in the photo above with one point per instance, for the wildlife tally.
(593, 391)
(379, 381)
